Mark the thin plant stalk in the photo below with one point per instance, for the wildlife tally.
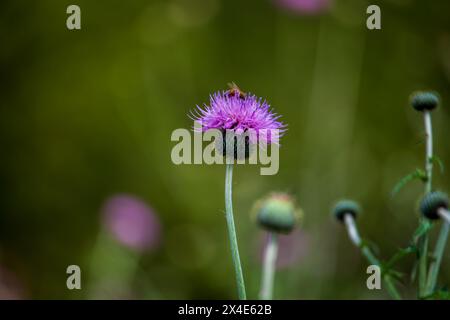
(423, 242)
(268, 274)
(444, 214)
(352, 230)
(443, 233)
(438, 251)
(423, 250)
(356, 239)
(429, 151)
(232, 233)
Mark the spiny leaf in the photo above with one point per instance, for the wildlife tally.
(417, 174)
(438, 161)
(394, 274)
(424, 226)
(400, 254)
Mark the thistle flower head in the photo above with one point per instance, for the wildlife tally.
(277, 213)
(431, 202)
(424, 100)
(344, 207)
(240, 112)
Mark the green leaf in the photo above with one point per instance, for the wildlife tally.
(423, 228)
(394, 274)
(387, 268)
(417, 174)
(441, 294)
(400, 254)
(431, 257)
(438, 160)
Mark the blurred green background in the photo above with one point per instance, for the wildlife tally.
(88, 114)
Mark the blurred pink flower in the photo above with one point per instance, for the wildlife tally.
(132, 222)
(291, 248)
(11, 288)
(307, 7)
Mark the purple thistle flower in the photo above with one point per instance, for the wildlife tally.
(240, 112)
(131, 222)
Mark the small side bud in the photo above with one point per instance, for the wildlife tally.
(344, 207)
(432, 202)
(424, 101)
(277, 213)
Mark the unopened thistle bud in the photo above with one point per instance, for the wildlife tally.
(432, 202)
(277, 213)
(344, 207)
(424, 101)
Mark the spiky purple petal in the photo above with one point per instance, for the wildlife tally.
(233, 112)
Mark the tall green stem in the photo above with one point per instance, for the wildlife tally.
(423, 241)
(443, 234)
(423, 252)
(268, 274)
(232, 232)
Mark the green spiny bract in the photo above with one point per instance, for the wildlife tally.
(277, 213)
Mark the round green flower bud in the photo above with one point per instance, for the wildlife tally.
(344, 207)
(277, 213)
(432, 202)
(425, 100)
